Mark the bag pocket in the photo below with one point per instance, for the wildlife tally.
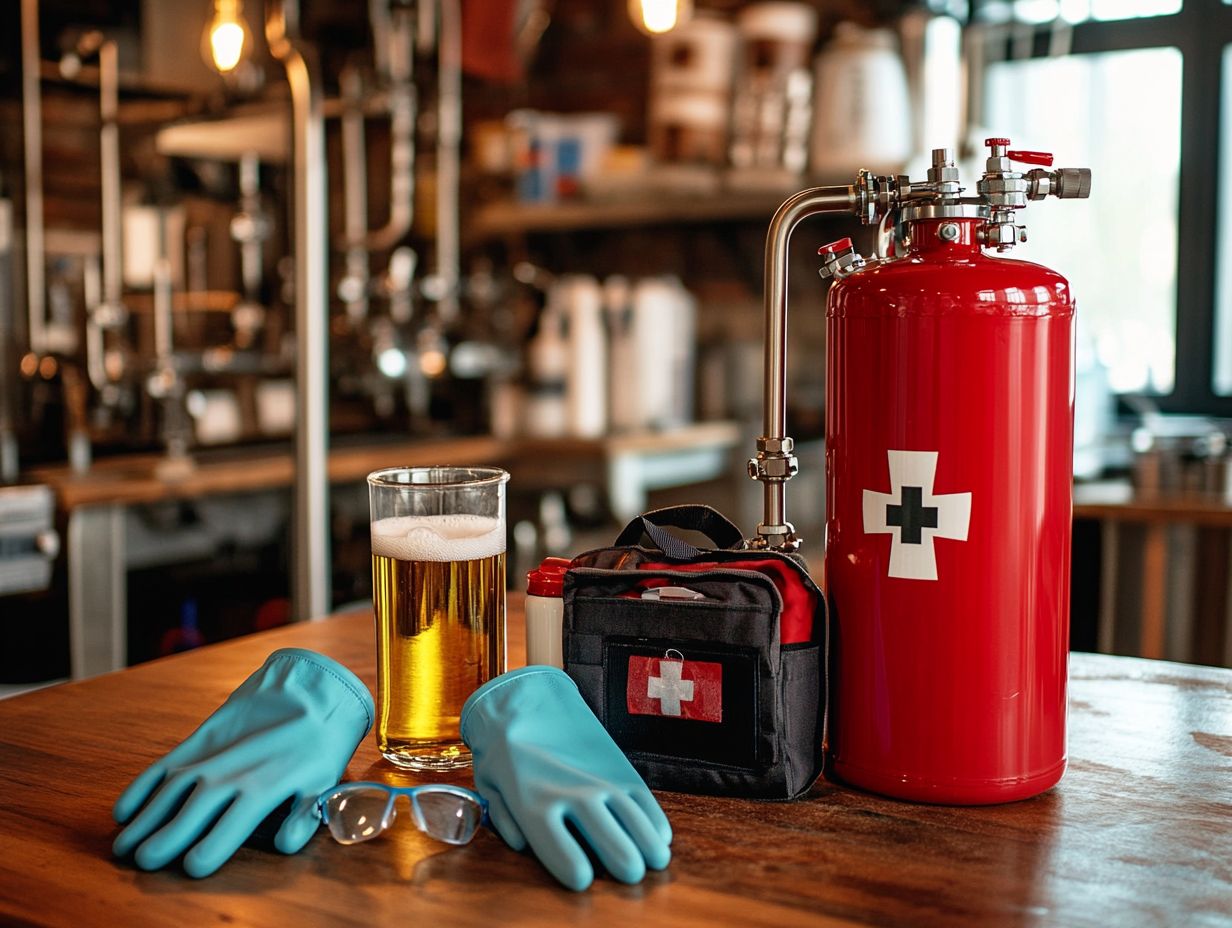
(803, 715)
(698, 703)
(689, 689)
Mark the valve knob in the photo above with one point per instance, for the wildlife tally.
(1030, 157)
(838, 257)
(991, 142)
(842, 244)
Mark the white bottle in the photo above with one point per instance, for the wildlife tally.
(545, 612)
(548, 363)
(623, 394)
(581, 302)
(654, 331)
(684, 355)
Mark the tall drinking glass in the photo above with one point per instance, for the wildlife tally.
(438, 591)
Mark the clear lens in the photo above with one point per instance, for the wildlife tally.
(355, 815)
(448, 816)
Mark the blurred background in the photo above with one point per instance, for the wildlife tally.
(251, 250)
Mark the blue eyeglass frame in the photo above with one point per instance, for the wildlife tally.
(410, 792)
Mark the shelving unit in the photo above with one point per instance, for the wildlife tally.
(502, 218)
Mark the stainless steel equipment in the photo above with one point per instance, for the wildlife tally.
(29, 543)
(120, 357)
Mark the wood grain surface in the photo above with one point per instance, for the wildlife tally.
(1138, 832)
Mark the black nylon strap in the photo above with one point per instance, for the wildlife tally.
(720, 530)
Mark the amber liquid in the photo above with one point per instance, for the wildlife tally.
(440, 635)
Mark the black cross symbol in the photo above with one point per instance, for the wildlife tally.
(912, 516)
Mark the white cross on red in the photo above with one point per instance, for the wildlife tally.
(913, 516)
(669, 688)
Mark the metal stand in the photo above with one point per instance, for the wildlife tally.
(311, 573)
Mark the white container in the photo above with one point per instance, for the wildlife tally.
(778, 36)
(700, 55)
(623, 398)
(689, 127)
(862, 117)
(545, 612)
(773, 100)
(933, 61)
(662, 327)
(580, 300)
(548, 364)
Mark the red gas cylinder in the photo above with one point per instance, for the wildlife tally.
(949, 463)
(949, 460)
(949, 456)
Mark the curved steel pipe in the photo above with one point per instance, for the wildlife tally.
(393, 41)
(775, 464)
(311, 576)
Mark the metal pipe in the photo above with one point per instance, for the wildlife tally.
(402, 111)
(448, 157)
(9, 463)
(837, 199)
(251, 245)
(380, 21)
(355, 193)
(393, 40)
(109, 151)
(397, 65)
(96, 362)
(163, 321)
(32, 138)
(311, 586)
(775, 464)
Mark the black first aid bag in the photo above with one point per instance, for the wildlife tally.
(706, 665)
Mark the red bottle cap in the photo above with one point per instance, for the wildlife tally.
(548, 579)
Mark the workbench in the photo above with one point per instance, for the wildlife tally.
(93, 505)
(1139, 831)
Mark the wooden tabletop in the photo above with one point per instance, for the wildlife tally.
(1138, 832)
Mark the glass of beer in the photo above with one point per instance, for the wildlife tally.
(438, 591)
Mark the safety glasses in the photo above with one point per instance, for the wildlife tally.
(356, 812)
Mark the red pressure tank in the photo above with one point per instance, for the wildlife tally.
(949, 455)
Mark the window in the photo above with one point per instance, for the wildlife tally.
(1145, 100)
(1223, 292)
(1123, 270)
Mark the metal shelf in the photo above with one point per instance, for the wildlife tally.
(504, 218)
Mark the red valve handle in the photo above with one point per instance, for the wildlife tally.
(835, 247)
(1031, 157)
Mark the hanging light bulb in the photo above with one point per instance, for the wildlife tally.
(227, 39)
(655, 17)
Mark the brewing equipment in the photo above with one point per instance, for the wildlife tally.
(949, 466)
(203, 307)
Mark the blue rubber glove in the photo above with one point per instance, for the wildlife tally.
(287, 733)
(544, 763)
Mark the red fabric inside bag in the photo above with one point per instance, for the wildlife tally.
(799, 602)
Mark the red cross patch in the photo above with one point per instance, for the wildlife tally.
(674, 688)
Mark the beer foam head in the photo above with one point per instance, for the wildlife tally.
(438, 538)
